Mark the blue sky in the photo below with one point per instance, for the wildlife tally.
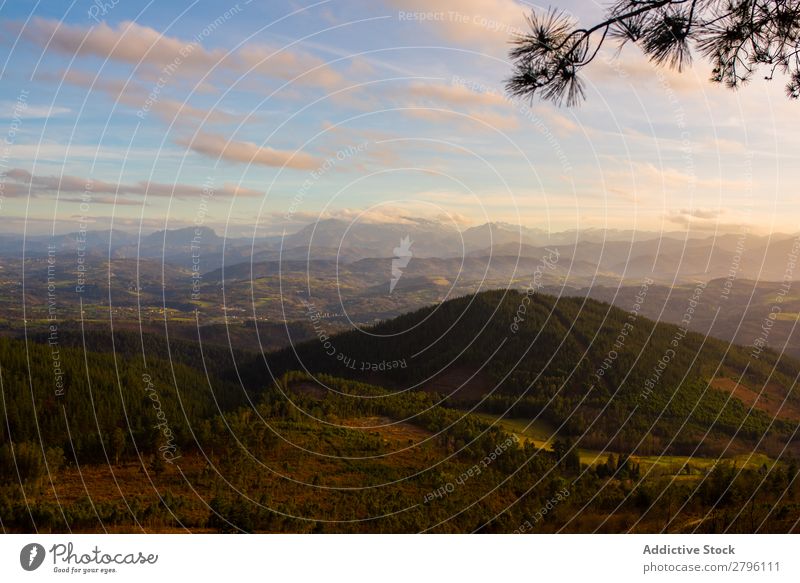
(258, 117)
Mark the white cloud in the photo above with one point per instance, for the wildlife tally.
(29, 111)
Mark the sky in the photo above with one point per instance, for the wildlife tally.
(256, 118)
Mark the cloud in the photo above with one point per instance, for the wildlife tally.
(142, 46)
(449, 102)
(28, 111)
(217, 146)
(128, 42)
(705, 220)
(49, 151)
(721, 146)
(374, 148)
(277, 63)
(103, 200)
(664, 180)
(683, 179)
(452, 94)
(446, 116)
(559, 123)
(138, 97)
(411, 212)
(21, 183)
(631, 66)
(702, 213)
(430, 101)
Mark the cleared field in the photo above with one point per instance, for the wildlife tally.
(541, 435)
(390, 431)
(788, 316)
(698, 466)
(537, 433)
(772, 398)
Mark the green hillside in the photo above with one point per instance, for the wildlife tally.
(400, 450)
(590, 369)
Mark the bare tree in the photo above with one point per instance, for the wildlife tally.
(739, 37)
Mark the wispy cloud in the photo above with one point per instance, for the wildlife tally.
(127, 42)
(472, 118)
(217, 146)
(448, 103)
(707, 219)
(143, 47)
(452, 94)
(411, 212)
(138, 97)
(30, 111)
(288, 65)
(21, 183)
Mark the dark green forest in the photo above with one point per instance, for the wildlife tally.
(152, 435)
(553, 366)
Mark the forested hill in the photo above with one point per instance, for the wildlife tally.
(93, 405)
(610, 377)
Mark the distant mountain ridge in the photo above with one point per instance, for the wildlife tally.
(350, 241)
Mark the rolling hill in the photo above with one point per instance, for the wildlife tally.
(606, 377)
